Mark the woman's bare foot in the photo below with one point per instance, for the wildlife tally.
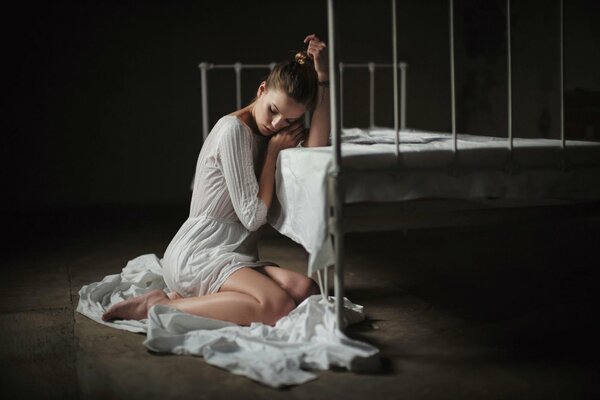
(174, 296)
(135, 307)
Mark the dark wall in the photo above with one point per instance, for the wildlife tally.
(101, 102)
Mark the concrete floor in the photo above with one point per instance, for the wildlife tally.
(485, 312)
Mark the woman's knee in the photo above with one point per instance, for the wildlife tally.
(273, 301)
(303, 288)
(313, 288)
(297, 285)
(276, 308)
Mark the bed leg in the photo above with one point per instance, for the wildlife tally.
(339, 279)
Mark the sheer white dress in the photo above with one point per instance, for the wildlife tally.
(221, 233)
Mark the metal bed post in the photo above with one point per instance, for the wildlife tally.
(563, 138)
(238, 84)
(341, 95)
(453, 81)
(334, 178)
(371, 67)
(395, 67)
(204, 87)
(402, 95)
(509, 83)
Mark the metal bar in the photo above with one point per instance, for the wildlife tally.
(338, 283)
(334, 175)
(395, 61)
(203, 81)
(563, 139)
(272, 65)
(377, 65)
(324, 294)
(333, 98)
(326, 275)
(342, 95)
(371, 95)
(462, 215)
(243, 66)
(453, 79)
(238, 84)
(509, 60)
(403, 96)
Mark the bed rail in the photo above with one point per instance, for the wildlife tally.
(371, 67)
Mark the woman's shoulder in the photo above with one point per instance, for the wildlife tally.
(229, 129)
(230, 122)
(233, 125)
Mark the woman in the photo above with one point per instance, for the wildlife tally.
(211, 264)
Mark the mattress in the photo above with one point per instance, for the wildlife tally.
(426, 169)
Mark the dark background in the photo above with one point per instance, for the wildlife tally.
(101, 99)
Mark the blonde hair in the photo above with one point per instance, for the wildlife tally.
(297, 78)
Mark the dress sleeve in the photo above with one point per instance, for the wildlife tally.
(235, 152)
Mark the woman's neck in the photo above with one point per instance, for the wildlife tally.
(246, 114)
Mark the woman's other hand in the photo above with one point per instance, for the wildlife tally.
(288, 137)
(317, 50)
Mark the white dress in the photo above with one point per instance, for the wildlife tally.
(221, 233)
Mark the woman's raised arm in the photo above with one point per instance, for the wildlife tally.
(318, 135)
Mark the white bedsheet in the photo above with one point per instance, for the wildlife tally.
(306, 339)
(300, 211)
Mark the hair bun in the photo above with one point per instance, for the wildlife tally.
(301, 57)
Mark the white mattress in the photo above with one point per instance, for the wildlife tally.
(423, 172)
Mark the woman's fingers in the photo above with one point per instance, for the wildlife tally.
(315, 45)
(316, 51)
(290, 136)
(312, 36)
(294, 127)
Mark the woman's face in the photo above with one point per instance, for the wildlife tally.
(274, 110)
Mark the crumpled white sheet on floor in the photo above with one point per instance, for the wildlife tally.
(307, 338)
(140, 275)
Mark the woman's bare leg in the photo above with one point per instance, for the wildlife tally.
(246, 296)
(298, 286)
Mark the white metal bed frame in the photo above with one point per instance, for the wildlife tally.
(346, 218)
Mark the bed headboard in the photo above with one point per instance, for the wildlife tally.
(237, 68)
